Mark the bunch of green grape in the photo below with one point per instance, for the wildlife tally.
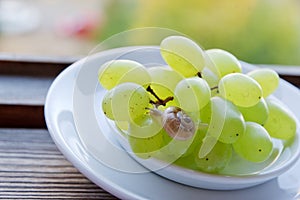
(198, 109)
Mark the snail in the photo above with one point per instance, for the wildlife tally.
(176, 122)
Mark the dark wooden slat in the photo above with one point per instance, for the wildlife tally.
(32, 69)
(33, 66)
(295, 80)
(21, 116)
(25, 174)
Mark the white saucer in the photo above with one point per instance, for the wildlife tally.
(111, 168)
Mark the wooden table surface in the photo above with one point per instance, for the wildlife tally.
(31, 166)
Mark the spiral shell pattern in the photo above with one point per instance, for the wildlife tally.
(177, 123)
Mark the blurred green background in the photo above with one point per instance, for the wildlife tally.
(256, 31)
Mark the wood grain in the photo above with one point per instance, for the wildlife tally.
(33, 65)
(295, 80)
(22, 116)
(31, 167)
(24, 90)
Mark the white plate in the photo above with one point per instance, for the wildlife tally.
(103, 161)
(92, 125)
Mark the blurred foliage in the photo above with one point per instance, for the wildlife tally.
(256, 31)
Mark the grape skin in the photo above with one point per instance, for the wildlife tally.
(267, 78)
(106, 105)
(144, 126)
(216, 160)
(183, 55)
(280, 123)
(164, 76)
(234, 125)
(116, 72)
(226, 125)
(210, 77)
(163, 83)
(224, 62)
(255, 144)
(193, 94)
(163, 93)
(174, 149)
(240, 89)
(146, 147)
(128, 101)
(205, 113)
(258, 113)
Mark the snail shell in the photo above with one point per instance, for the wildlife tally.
(177, 123)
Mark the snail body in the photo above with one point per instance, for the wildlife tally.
(176, 122)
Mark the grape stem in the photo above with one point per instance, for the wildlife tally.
(214, 88)
(159, 101)
(199, 74)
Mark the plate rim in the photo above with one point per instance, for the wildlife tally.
(70, 155)
(213, 181)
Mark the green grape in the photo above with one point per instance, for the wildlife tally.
(216, 160)
(146, 147)
(183, 55)
(211, 78)
(197, 141)
(280, 123)
(106, 105)
(216, 122)
(205, 113)
(241, 89)
(174, 149)
(164, 81)
(224, 62)
(144, 126)
(115, 72)
(258, 113)
(188, 158)
(234, 125)
(165, 76)
(163, 93)
(226, 124)
(193, 94)
(187, 162)
(267, 78)
(128, 101)
(255, 144)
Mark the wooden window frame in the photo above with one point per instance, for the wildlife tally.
(31, 115)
